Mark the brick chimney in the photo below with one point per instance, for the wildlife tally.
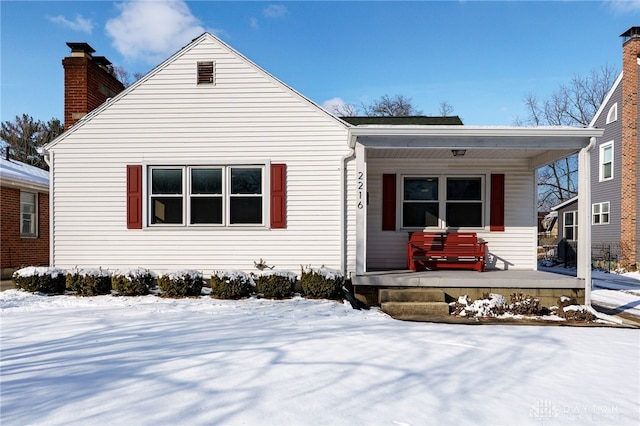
(630, 228)
(88, 82)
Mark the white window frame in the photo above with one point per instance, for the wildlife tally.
(32, 215)
(573, 226)
(612, 115)
(601, 167)
(442, 199)
(226, 195)
(601, 213)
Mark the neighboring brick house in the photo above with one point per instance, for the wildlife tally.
(24, 216)
(614, 191)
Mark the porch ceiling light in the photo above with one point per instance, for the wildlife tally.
(458, 152)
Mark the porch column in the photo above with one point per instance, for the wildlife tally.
(584, 219)
(361, 209)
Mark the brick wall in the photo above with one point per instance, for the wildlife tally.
(87, 85)
(16, 251)
(629, 175)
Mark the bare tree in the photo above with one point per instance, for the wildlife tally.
(446, 109)
(345, 110)
(25, 135)
(125, 77)
(387, 106)
(574, 104)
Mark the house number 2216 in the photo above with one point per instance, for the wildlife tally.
(360, 190)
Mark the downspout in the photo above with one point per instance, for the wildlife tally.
(584, 217)
(49, 160)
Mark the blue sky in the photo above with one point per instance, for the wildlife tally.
(482, 58)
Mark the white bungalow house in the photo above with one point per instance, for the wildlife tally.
(209, 162)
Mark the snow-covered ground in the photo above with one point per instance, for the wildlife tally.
(149, 360)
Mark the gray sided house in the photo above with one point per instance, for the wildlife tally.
(615, 201)
(208, 162)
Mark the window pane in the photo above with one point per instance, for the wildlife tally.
(568, 233)
(606, 154)
(420, 188)
(606, 170)
(166, 181)
(246, 181)
(420, 215)
(166, 210)
(605, 207)
(206, 210)
(464, 214)
(596, 208)
(464, 188)
(28, 198)
(206, 181)
(27, 224)
(605, 218)
(245, 210)
(568, 218)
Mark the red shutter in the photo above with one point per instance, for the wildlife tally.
(278, 196)
(496, 221)
(134, 197)
(388, 202)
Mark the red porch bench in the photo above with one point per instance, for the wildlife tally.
(454, 250)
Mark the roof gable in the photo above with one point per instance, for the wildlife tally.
(206, 45)
(604, 106)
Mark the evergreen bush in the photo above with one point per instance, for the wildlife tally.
(134, 282)
(322, 283)
(89, 282)
(231, 285)
(181, 283)
(40, 279)
(276, 284)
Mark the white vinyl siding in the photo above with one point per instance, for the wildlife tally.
(514, 248)
(246, 118)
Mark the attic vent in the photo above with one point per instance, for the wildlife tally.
(205, 72)
(613, 114)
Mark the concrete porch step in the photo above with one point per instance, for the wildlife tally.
(401, 310)
(411, 295)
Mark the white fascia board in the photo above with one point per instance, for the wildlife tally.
(605, 102)
(564, 203)
(473, 136)
(23, 184)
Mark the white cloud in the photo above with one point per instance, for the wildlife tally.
(253, 22)
(275, 11)
(152, 30)
(78, 24)
(624, 6)
(338, 106)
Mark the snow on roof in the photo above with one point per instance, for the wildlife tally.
(21, 174)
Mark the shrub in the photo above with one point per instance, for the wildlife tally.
(40, 279)
(524, 304)
(181, 283)
(134, 282)
(569, 309)
(231, 285)
(276, 284)
(491, 305)
(89, 282)
(323, 283)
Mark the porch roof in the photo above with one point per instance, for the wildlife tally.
(541, 145)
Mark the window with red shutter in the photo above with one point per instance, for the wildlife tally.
(134, 197)
(278, 196)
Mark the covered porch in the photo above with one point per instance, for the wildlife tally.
(505, 216)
